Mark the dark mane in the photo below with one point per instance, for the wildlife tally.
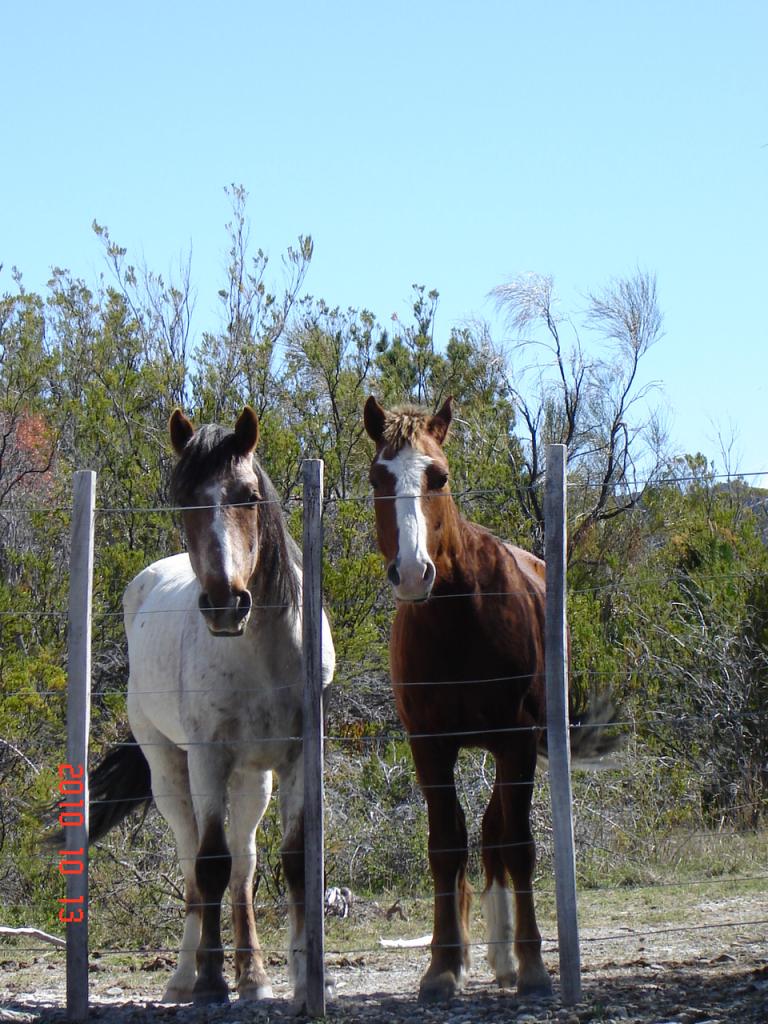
(211, 452)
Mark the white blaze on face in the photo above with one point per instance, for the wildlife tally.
(215, 496)
(408, 467)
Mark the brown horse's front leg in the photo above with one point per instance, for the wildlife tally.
(499, 915)
(212, 870)
(435, 764)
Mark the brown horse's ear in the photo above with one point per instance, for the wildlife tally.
(374, 418)
(180, 429)
(441, 421)
(246, 431)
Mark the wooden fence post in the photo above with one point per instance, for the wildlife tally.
(559, 751)
(314, 905)
(74, 860)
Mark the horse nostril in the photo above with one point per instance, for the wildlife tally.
(429, 574)
(204, 604)
(244, 602)
(393, 575)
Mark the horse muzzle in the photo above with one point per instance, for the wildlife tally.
(227, 616)
(412, 583)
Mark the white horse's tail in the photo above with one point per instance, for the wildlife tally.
(118, 786)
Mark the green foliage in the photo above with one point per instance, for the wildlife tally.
(377, 835)
(355, 591)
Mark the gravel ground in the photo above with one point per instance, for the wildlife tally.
(700, 976)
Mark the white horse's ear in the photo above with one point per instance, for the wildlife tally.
(441, 421)
(374, 418)
(181, 430)
(246, 431)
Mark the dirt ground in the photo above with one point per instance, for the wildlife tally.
(710, 966)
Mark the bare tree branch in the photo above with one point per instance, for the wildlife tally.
(590, 402)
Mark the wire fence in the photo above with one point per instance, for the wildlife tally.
(280, 905)
(480, 782)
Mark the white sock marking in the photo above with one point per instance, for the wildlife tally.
(499, 921)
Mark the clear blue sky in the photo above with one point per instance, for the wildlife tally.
(450, 144)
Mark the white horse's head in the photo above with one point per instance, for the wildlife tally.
(219, 488)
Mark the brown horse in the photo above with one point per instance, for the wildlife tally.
(467, 665)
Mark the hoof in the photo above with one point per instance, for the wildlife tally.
(207, 995)
(177, 995)
(255, 992)
(507, 980)
(438, 988)
(541, 988)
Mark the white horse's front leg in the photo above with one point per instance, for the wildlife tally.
(209, 770)
(170, 786)
(249, 796)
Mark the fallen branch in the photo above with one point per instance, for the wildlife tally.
(36, 934)
(423, 940)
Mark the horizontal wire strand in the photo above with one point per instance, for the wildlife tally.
(356, 901)
(550, 945)
(598, 589)
(282, 904)
(474, 847)
(637, 486)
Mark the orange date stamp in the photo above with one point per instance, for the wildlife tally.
(71, 815)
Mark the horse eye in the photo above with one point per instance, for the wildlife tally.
(437, 480)
(248, 496)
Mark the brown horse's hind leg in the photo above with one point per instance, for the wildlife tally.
(515, 773)
(448, 861)
(497, 904)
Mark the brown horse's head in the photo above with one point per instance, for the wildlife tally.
(409, 476)
(216, 483)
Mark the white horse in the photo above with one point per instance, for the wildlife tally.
(215, 699)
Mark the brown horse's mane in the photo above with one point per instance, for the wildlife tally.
(404, 424)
